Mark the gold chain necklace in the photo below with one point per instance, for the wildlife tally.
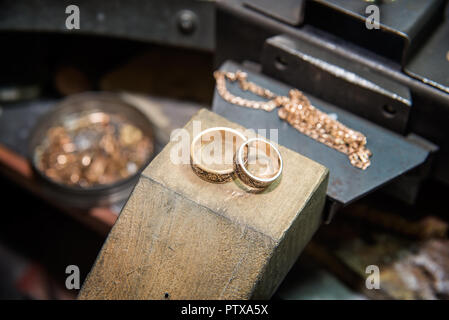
(297, 110)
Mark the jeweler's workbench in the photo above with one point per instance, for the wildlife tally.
(361, 101)
(180, 237)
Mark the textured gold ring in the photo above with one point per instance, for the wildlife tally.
(246, 163)
(217, 164)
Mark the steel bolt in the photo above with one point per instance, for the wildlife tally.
(187, 21)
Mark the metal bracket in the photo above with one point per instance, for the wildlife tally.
(403, 26)
(431, 63)
(183, 23)
(316, 69)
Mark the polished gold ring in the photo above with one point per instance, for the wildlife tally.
(243, 162)
(219, 167)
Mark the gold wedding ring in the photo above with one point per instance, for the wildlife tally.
(258, 163)
(212, 152)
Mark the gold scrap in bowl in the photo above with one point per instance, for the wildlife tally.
(91, 146)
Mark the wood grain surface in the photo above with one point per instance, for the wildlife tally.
(180, 237)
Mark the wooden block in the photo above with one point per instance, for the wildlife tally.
(180, 237)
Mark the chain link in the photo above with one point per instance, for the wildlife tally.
(297, 110)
